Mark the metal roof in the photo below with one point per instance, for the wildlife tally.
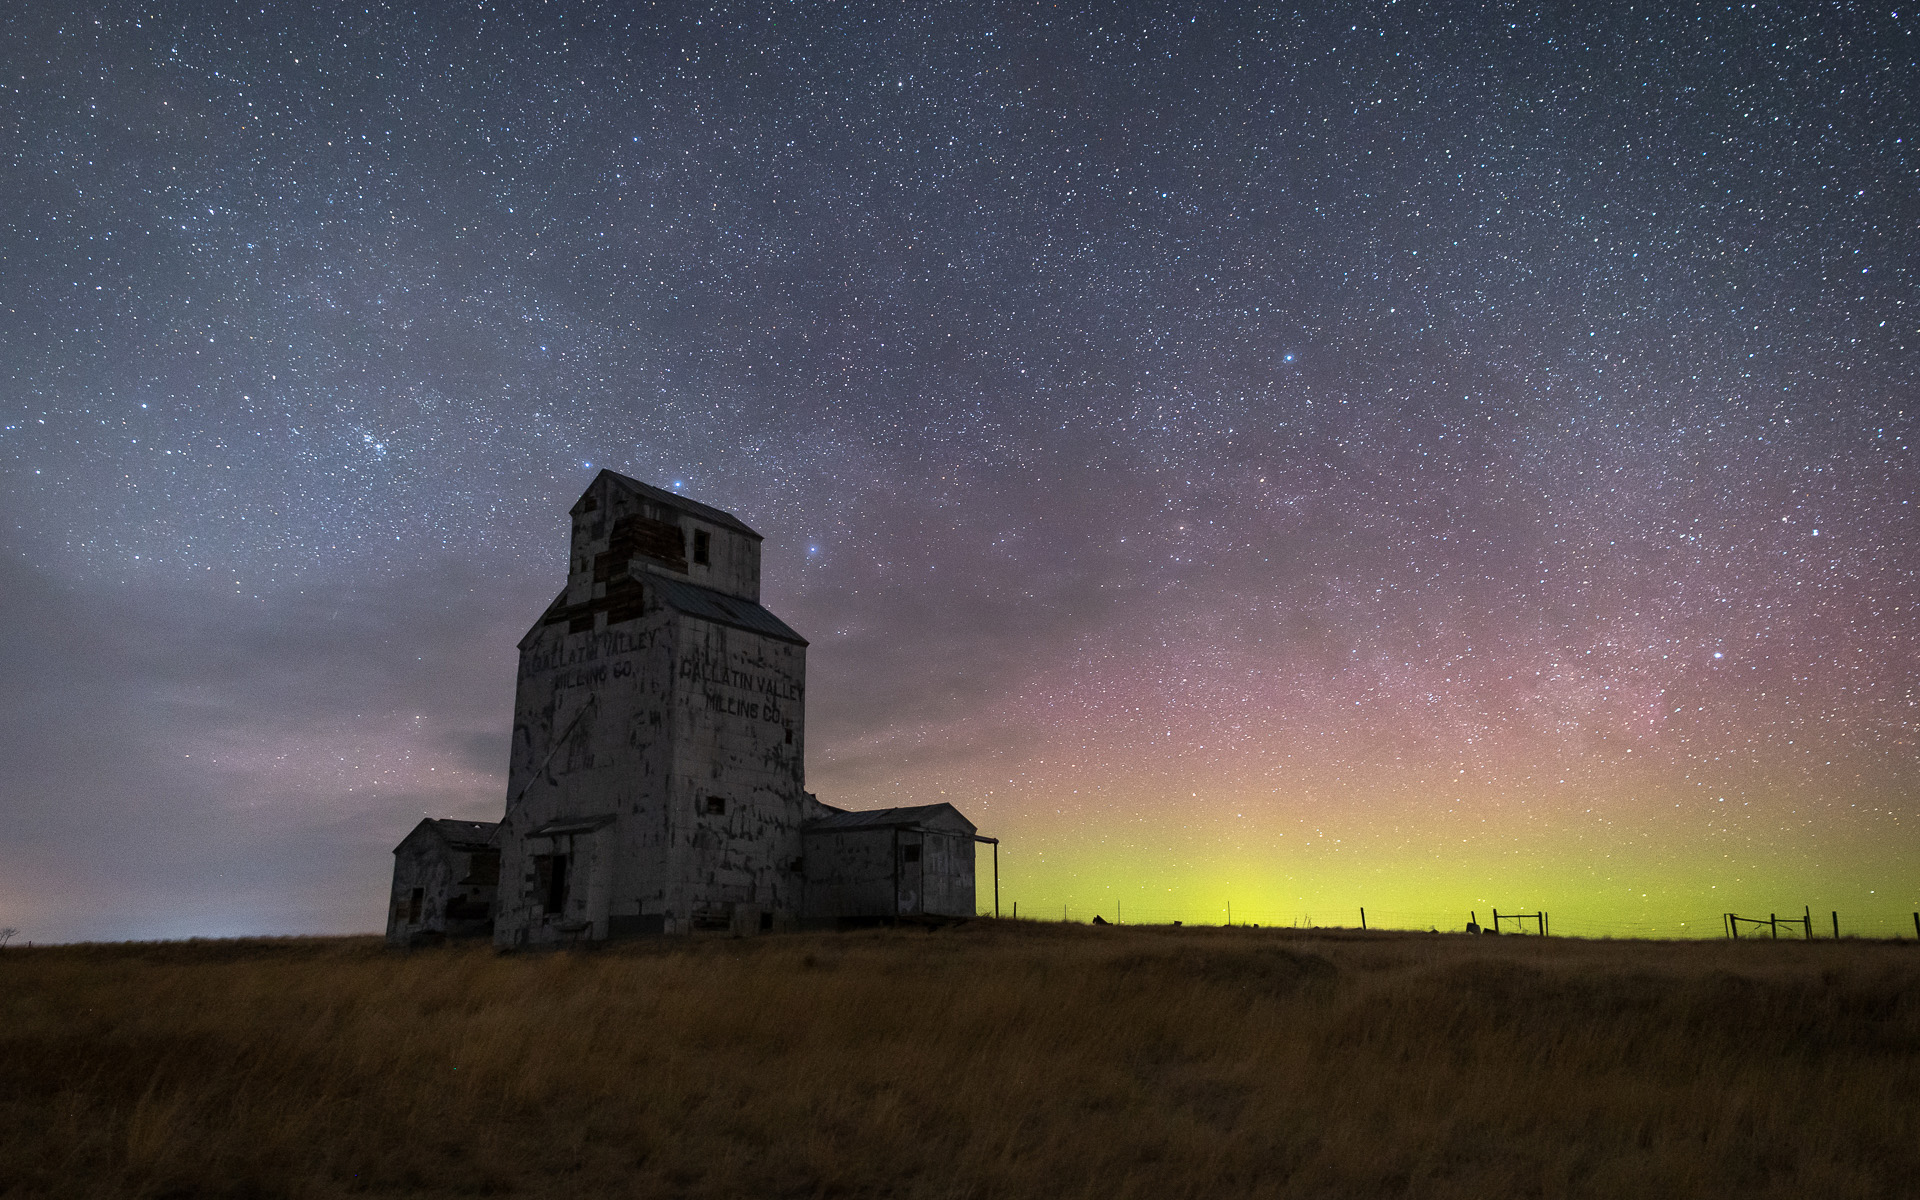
(885, 818)
(560, 826)
(718, 607)
(460, 835)
(675, 500)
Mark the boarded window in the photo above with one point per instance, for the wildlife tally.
(638, 536)
(910, 853)
(702, 544)
(716, 806)
(550, 881)
(414, 902)
(626, 599)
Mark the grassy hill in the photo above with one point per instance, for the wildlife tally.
(992, 1060)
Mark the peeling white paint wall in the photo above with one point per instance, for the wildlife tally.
(683, 736)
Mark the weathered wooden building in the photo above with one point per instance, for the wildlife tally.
(893, 862)
(445, 876)
(657, 782)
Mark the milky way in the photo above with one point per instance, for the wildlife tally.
(1410, 457)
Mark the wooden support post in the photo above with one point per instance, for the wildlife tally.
(1773, 923)
(1806, 921)
(1836, 925)
(1363, 920)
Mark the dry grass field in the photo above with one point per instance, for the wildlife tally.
(991, 1060)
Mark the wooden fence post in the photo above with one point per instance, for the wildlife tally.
(1773, 923)
(1363, 920)
(1836, 924)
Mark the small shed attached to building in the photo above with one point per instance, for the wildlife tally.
(445, 878)
(889, 863)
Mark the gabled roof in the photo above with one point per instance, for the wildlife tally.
(705, 512)
(718, 607)
(464, 836)
(919, 816)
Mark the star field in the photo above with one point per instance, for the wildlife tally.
(1391, 455)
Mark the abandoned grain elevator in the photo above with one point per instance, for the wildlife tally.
(657, 782)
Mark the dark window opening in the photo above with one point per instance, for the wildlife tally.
(766, 922)
(702, 543)
(550, 881)
(716, 806)
(590, 503)
(414, 902)
(910, 853)
(483, 867)
(789, 737)
(466, 908)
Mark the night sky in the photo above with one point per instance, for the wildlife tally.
(1416, 457)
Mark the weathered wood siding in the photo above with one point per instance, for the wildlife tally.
(456, 890)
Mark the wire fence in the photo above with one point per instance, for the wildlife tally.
(1820, 926)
